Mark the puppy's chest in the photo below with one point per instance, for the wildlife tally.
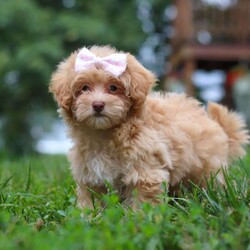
(102, 167)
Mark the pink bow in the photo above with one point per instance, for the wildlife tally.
(115, 63)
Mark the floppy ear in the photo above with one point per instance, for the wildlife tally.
(139, 81)
(60, 84)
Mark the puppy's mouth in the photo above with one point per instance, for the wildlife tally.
(97, 114)
(100, 115)
(99, 120)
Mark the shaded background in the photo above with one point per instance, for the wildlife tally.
(179, 40)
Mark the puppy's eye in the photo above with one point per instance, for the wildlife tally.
(85, 88)
(113, 88)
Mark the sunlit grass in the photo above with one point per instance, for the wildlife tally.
(38, 211)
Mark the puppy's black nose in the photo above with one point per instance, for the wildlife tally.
(98, 106)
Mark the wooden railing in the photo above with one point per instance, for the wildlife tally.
(230, 25)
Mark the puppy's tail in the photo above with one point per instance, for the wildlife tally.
(233, 125)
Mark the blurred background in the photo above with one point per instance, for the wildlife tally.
(201, 47)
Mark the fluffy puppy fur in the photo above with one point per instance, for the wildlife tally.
(140, 140)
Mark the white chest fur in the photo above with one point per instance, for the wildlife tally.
(102, 167)
(94, 167)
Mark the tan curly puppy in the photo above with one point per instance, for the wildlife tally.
(133, 139)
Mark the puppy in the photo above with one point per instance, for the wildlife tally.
(135, 140)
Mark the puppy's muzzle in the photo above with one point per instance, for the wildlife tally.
(98, 106)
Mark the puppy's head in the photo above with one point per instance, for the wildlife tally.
(97, 98)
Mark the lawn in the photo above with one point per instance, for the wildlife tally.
(38, 211)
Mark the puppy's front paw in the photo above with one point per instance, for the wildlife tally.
(144, 192)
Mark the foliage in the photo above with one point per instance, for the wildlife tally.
(38, 211)
(35, 36)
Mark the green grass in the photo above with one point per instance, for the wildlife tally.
(38, 211)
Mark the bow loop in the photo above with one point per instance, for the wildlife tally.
(115, 63)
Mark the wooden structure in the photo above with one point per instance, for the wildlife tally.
(209, 37)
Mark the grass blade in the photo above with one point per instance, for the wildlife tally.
(28, 181)
(6, 182)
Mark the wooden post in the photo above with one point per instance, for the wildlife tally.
(188, 70)
(184, 21)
